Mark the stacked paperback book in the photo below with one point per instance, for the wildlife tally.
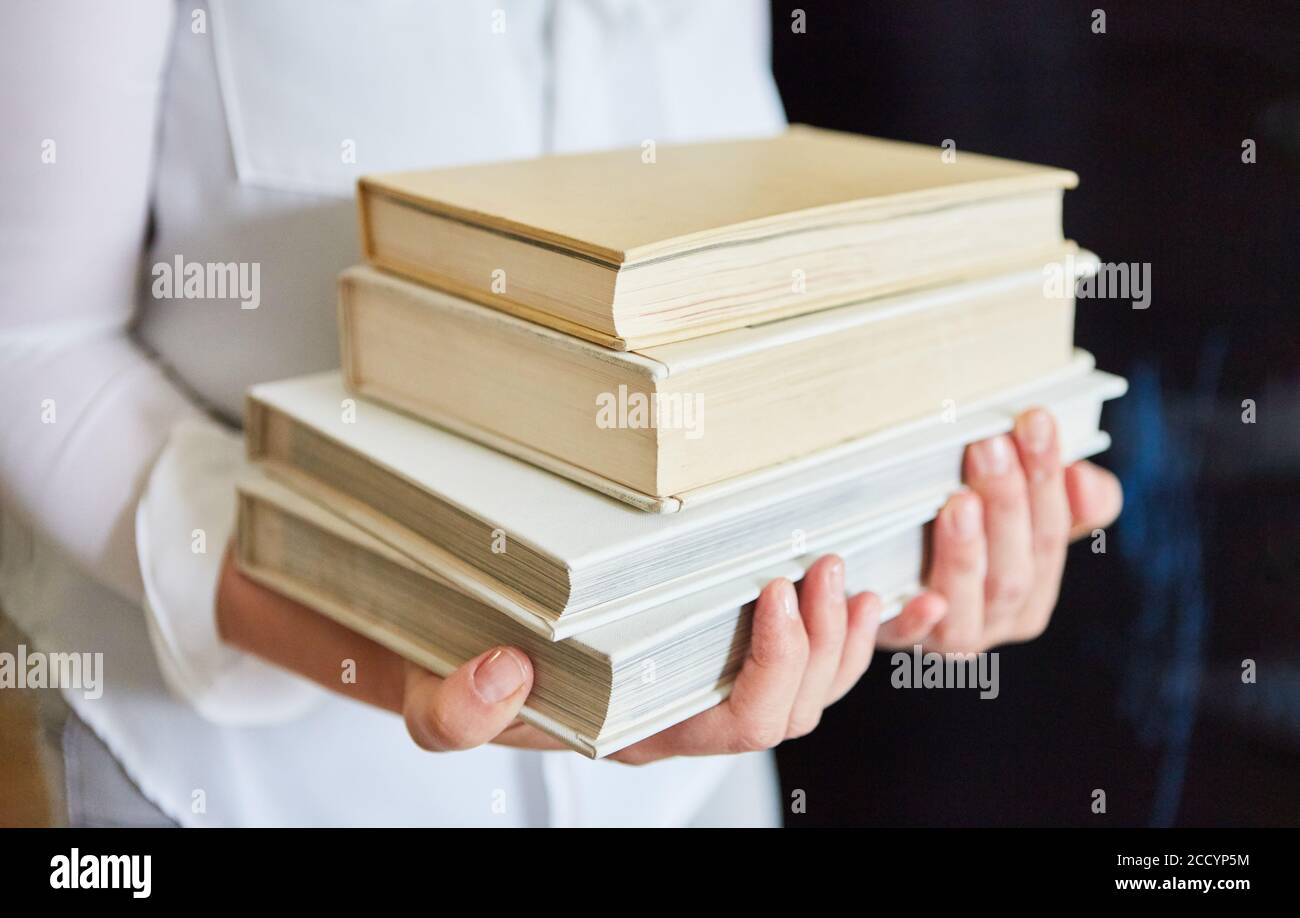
(591, 404)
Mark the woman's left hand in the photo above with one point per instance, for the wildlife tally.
(999, 547)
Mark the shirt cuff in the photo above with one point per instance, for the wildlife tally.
(182, 526)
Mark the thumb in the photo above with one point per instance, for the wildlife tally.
(469, 707)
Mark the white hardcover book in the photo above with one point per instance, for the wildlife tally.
(590, 691)
(561, 559)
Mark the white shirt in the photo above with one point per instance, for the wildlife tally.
(234, 132)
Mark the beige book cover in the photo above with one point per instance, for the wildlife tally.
(651, 424)
(665, 242)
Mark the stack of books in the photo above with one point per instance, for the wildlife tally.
(591, 404)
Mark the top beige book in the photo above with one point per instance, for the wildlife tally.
(643, 246)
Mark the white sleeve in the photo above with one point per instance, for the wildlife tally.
(87, 411)
(185, 518)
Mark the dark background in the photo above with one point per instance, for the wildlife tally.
(1136, 688)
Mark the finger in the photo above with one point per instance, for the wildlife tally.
(914, 624)
(472, 705)
(993, 472)
(520, 735)
(1049, 513)
(755, 715)
(863, 614)
(1095, 498)
(823, 605)
(958, 570)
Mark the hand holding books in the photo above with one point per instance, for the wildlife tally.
(855, 313)
(999, 550)
(809, 647)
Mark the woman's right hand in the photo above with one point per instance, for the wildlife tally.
(810, 645)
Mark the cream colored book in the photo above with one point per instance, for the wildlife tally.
(636, 247)
(648, 425)
(561, 559)
(598, 692)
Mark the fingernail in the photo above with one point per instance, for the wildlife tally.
(965, 516)
(835, 577)
(993, 457)
(498, 677)
(1035, 431)
(789, 605)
